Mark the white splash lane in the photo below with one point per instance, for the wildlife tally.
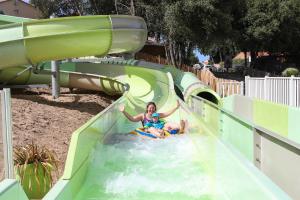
(140, 167)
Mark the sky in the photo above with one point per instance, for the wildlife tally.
(200, 56)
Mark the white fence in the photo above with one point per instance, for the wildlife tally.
(226, 88)
(284, 90)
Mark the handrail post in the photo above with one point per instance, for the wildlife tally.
(7, 133)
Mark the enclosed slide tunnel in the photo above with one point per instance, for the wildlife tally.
(105, 162)
(35, 41)
(188, 84)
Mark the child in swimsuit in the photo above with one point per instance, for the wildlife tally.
(156, 124)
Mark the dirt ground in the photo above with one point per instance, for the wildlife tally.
(48, 122)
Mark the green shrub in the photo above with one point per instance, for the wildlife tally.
(290, 71)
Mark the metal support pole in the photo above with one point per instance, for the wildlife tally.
(7, 133)
(55, 79)
(55, 75)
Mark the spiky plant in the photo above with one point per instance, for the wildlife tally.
(40, 158)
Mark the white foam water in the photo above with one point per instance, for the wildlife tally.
(138, 168)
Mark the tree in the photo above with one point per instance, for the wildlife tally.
(274, 25)
(73, 7)
(216, 28)
(101, 7)
(47, 7)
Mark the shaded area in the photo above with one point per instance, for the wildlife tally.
(230, 75)
(178, 92)
(208, 96)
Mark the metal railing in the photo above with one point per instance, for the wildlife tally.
(284, 90)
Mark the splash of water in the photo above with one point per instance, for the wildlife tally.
(137, 168)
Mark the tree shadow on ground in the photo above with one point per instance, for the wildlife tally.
(73, 102)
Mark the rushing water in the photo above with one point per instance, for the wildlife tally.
(129, 167)
(192, 166)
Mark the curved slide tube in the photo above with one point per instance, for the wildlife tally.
(6, 19)
(186, 83)
(60, 38)
(67, 79)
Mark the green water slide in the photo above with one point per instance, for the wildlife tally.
(34, 41)
(105, 161)
(6, 19)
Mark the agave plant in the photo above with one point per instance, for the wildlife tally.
(34, 166)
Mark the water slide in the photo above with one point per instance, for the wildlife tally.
(105, 161)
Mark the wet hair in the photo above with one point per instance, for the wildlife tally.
(149, 104)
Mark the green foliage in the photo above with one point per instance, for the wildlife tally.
(74, 7)
(216, 28)
(47, 7)
(101, 7)
(290, 72)
(153, 12)
(273, 25)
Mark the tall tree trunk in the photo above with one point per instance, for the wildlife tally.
(253, 59)
(167, 53)
(176, 53)
(79, 7)
(188, 53)
(116, 6)
(95, 7)
(157, 37)
(179, 55)
(246, 59)
(132, 9)
(171, 52)
(246, 63)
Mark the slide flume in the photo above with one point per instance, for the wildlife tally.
(105, 161)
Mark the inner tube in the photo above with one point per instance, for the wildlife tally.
(141, 132)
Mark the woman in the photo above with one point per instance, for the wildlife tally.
(147, 117)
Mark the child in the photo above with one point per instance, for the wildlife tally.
(155, 126)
